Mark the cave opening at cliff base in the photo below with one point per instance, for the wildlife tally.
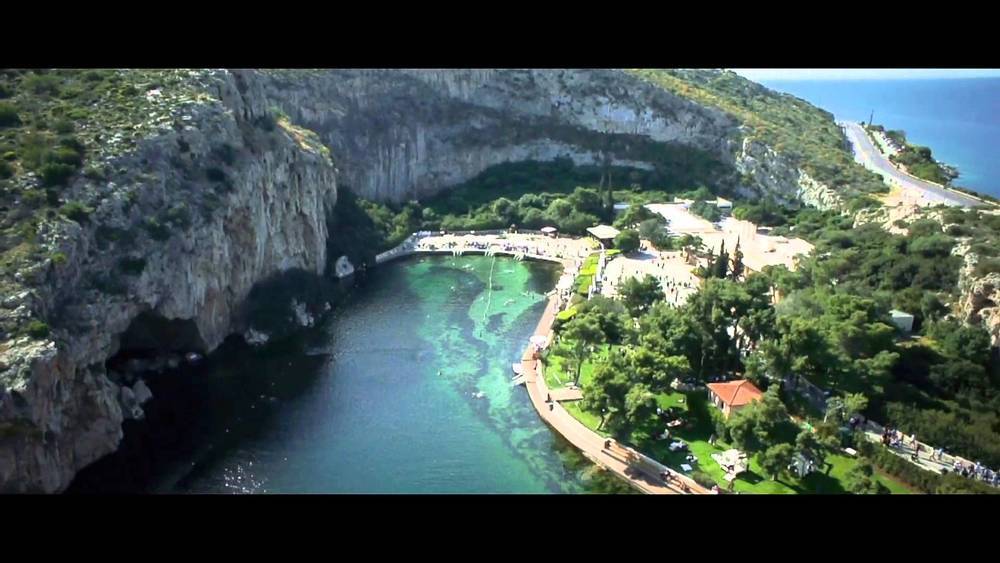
(152, 341)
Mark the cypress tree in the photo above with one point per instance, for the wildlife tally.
(722, 264)
(737, 262)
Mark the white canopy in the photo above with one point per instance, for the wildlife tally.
(549, 229)
(604, 232)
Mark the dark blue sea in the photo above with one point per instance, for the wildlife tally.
(959, 119)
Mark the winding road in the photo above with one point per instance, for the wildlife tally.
(869, 156)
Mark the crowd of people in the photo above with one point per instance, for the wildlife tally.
(893, 438)
(977, 471)
(544, 246)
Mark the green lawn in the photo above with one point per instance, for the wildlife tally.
(701, 416)
(557, 376)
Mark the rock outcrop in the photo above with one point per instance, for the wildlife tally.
(190, 221)
(768, 173)
(980, 296)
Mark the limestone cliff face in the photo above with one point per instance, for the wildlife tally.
(208, 208)
(768, 173)
(402, 135)
(979, 296)
(223, 196)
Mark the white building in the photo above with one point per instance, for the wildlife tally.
(902, 320)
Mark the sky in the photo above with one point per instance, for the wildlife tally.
(863, 73)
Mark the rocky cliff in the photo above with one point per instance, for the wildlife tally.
(189, 221)
(235, 185)
(404, 135)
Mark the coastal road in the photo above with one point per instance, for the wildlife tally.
(869, 156)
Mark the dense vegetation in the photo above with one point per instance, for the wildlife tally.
(58, 125)
(533, 194)
(794, 128)
(831, 328)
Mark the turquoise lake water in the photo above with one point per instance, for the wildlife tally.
(405, 390)
(959, 119)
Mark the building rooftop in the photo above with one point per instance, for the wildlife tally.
(736, 393)
(604, 232)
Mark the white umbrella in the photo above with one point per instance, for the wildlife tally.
(548, 230)
(539, 340)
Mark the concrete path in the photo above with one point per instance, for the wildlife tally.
(568, 252)
(590, 443)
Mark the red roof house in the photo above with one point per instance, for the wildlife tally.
(733, 395)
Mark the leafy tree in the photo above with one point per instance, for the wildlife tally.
(776, 459)
(611, 315)
(653, 230)
(655, 370)
(670, 331)
(505, 210)
(761, 424)
(960, 375)
(627, 241)
(640, 295)
(860, 480)
(640, 404)
(605, 393)
(636, 214)
(577, 339)
(705, 210)
(960, 340)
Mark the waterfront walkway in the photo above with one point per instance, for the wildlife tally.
(569, 252)
(586, 440)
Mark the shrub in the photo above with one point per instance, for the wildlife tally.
(33, 198)
(215, 175)
(37, 329)
(178, 216)
(109, 284)
(6, 170)
(58, 258)
(8, 115)
(703, 479)
(265, 122)
(959, 231)
(10, 156)
(226, 153)
(913, 475)
(627, 241)
(63, 126)
(94, 173)
(56, 173)
(66, 155)
(73, 143)
(76, 211)
(42, 84)
(158, 231)
(132, 266)
(987, 266)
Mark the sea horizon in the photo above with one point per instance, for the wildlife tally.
(958, 118)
